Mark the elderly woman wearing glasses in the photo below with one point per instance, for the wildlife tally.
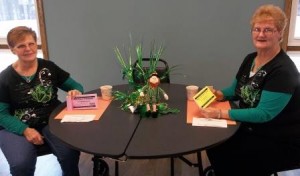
(268, 90)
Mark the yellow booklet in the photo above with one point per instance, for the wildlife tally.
(204, 97)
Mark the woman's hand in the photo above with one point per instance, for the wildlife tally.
(74, 93)
(219, 95)
(211, 113)
(33, 136)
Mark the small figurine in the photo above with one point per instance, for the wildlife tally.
(150, 94)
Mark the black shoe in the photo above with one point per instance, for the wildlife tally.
(101, 168)
(154, 114)
(148, 113)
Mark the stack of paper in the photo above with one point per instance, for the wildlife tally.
(222, 123)
(78, 118)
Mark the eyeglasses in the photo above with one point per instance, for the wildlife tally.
(266, 31)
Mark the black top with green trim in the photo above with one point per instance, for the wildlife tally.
(273, 92)
(32, 102)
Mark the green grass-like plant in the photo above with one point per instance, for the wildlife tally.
(131, 72)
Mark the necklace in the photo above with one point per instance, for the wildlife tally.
(28, 79)
(252, 71)
(252, 67)
(265, 61)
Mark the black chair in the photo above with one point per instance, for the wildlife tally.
(101, 168)
(162, 69)
(287, 168)
(43, 149)
(210, 172)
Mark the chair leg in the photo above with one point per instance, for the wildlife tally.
(200, 166)
(116, 168)
(172, 166)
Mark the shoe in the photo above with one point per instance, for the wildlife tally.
(154, 114)
(148, 113)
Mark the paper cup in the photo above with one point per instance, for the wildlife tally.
(191, 91)
(106, 92)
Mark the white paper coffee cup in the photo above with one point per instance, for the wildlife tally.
(106, 92)
(191, 91)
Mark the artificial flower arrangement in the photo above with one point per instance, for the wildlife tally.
(143, 97)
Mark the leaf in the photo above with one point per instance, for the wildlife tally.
(129, 71)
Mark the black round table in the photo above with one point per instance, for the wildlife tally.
(122, 135)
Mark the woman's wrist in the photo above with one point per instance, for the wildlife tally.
(219, 114)
(219, 95)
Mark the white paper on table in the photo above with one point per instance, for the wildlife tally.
(221, 123)
(78, 118)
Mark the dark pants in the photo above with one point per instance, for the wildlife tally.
(246, 154)
(22, 155)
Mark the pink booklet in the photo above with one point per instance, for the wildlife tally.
(85, 101)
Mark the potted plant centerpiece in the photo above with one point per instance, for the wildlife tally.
(145, 95)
